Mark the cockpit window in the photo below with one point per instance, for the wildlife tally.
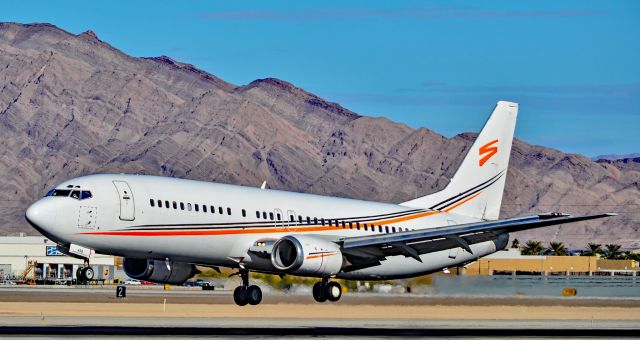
(62, 193)
(77, 194)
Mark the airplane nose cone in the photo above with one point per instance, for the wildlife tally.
(40, 214)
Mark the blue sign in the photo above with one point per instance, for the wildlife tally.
(53, 251)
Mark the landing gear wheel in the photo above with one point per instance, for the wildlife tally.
(241, 296)
(333, 291)
(87, 273)
(79, 277)
(319, 292)
(254, 295)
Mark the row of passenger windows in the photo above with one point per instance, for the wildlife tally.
(192, 207)
(277, 217)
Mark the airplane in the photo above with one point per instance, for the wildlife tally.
(165, 227)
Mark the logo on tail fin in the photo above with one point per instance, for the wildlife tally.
(488, 150)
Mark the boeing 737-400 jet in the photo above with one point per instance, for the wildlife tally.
(165, 227)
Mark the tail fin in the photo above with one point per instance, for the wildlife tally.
(476, 188)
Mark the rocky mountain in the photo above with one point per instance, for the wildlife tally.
(72, 105)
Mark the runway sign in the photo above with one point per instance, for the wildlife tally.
(121, 292)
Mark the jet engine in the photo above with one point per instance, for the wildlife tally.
(175, 273)
(306, 255)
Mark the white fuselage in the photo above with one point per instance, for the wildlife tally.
(134, 224)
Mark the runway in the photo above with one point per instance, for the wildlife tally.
(50, 311)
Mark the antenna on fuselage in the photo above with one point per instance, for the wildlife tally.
(264, 185)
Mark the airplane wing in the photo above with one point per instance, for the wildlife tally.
(367, 251)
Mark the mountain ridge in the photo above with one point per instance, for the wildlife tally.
(72, 105)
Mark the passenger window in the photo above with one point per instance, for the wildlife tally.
(278, 217)
(152, 203)
(159, 204)
(271, 216)
(204, 208)
(197, 208)
(291, 218)
(315, 220)
(299, 218)
(350, 225)
(264, 215)
(189, 206)
(257, 214)
(308, 220)
(386, 229)
(166, 204)
(343, 225)
(365, 227)
(86, 195)
(229, 211)
(181, 206)
(175, 205)
(244, 213)
(394, 229)
(213, 210)
(358, 225)
(220, 211)
(322, 221)
(379, 228)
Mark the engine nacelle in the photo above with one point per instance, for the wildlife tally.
(157, 271)
(306, 255)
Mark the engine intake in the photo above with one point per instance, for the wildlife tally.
(306, 255)
(157, 271)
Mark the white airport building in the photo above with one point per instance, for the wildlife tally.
(45, 262)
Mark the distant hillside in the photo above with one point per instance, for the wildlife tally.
(72, 105)
(613, 157)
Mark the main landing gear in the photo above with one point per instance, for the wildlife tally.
(327, 290)
(85, 274)
(246, 294)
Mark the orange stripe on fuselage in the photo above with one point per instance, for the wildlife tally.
(203, 232)
(462, 202)
(267, 230)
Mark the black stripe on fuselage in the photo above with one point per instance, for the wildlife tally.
(452, 200)
(270, 224)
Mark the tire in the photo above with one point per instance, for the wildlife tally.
(240, 296)
(254, 295)
(333, 291)
(79, 275)
(88, 273)
(319, 293)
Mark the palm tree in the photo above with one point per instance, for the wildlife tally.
(613, 251)
(515, 243)
(557, 248)
(593, 249)
(632, 256)
(532, 248)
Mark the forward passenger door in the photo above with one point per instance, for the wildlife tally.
(125, 196)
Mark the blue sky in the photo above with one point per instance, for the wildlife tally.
(574, 66)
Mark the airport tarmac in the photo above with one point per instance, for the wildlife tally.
(25, 310)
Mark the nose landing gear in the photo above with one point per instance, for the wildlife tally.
(325, 290)
(246, 294)
(85, 274)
